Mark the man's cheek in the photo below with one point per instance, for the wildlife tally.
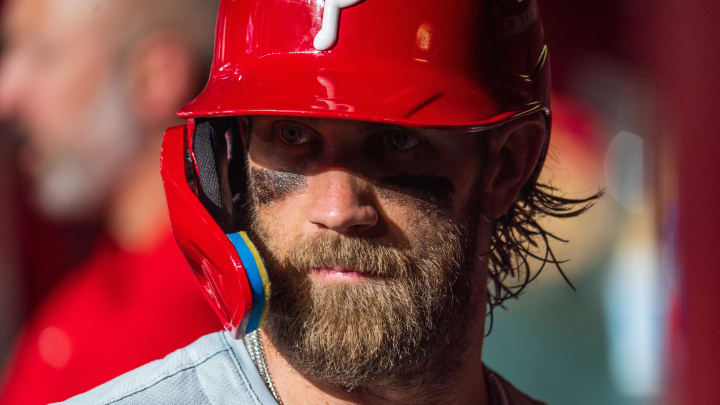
(279, 235)
(268, 186)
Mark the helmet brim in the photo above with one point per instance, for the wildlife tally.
(293, 85)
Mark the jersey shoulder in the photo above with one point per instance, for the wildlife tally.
(215, 370)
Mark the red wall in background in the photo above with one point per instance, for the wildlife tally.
(687, 57)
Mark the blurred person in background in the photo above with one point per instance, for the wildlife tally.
(92, 84)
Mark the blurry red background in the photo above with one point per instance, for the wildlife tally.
(671, 43)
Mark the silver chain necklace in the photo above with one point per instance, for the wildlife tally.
(253, 342)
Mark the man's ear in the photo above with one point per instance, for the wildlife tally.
(161, 75)
(513, 152)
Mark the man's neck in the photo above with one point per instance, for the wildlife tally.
(466, 385)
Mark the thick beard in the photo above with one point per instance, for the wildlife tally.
(410, 317)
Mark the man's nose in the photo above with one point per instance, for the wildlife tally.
(341, 201)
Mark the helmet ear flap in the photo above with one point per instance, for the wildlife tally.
(212, 141)
(218, 163)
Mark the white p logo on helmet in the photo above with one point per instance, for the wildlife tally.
(330, 23)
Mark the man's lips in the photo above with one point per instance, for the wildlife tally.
(339, 274)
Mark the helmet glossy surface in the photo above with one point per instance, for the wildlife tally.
(211, 254)
(409, 62)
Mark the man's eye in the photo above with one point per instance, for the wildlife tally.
(292, 135)
(401, 141)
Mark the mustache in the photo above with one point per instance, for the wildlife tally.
(358, 254)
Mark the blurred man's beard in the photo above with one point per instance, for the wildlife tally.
(72, 182)
(410, 315)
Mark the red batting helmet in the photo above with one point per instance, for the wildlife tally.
(466, 64)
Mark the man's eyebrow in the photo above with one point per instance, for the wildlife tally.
(308, 120)
(379, 126)
(367, 127)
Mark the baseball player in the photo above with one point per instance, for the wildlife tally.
(353, 189)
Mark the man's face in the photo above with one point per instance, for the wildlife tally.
(57, 82)
(369, 232)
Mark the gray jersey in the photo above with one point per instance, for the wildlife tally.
(218, 370)
(214, 370)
